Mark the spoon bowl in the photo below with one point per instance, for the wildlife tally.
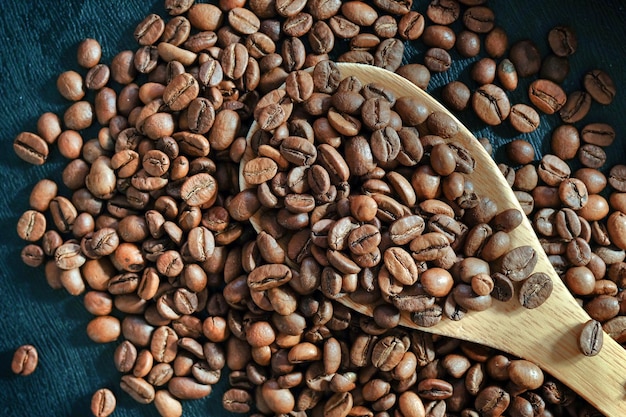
(547, 335)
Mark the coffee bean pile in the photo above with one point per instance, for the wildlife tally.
(150, 228)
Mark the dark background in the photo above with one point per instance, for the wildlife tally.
(38, 41)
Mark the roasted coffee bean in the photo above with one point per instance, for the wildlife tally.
(576, 107)
(518, 264)
(590, 340)
(491, 104)
(554, 68)
(138, 388)
(600, 86)
(600, 134)
(468, 43)
(31, 148)
(535, 290)
(562, 40)
(456, 95)
(443, 12)
(524, 118)
(547, 96)
(526, 57)
(103, 402)
(479, 19)
(25, 360)
(592, 156)
(437, 60)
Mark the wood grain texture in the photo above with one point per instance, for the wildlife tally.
(547, 335)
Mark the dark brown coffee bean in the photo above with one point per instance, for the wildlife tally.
(535, 290)
(519, 263)
(176, 31)
(456, 95)
(526, 58)
(411, 25)
(565, 141)
(600, 86)
(199, 189)
(97, 77)
(576, 107)
(389, 54)
(479, 19)
(553, 170)
(491, 104)
(590, 339)
(237, 401)
(562, 40)
(437, 60)
(554, 68)
(468, 43)
(592, 156)
(492, 401)
(443, 12)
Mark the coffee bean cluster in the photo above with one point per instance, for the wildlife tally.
(370, 215)
(150, 228)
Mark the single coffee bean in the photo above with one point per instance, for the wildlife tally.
(149, 30)
(31, 148)
(138, 388)
(554, 68)
(600, 86)
(553, 170)
(496, 42)
(437, 60)
(600, 134)
(519, 151)
(491, 104)
(565, 141)
(617, 177)
(103, 403)
(562, 40)
(243, 21)
(592, 156)
(547, 96)
(519, 263)
(88, 53)
(591, 337)
(524, 118)
(576, 107)
(468, 43)
(443, 12)
(456, 95)
(479, 19)
(535, 290)
(31, 225)
(492, 400)
(25, 359)
(180, 92)
(526, 58)
(411, 25)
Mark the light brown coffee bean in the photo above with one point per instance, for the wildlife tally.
(25, 360)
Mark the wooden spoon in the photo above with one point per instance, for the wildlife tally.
(547, 335)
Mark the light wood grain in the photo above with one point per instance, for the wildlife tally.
(546, 335)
